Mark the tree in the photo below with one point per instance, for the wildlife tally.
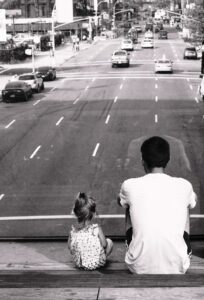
(10, 4)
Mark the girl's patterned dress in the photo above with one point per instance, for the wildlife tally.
(86, 248)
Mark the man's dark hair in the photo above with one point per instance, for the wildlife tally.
(155, 152)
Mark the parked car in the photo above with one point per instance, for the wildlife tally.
(120, 58)
(190, 53)
(147, 43)
(201, 88)
(47, 73)
(127, 45)
(35, 81)
(16, 90)
(163, 34)
(163, 65)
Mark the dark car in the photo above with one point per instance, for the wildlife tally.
(16, 90)
(159, 27)
(163, 34)
(190, 53)
(47, 73)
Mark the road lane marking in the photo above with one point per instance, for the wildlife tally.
(36, 102)
(52, 89)
(116, 98)
(124, 78)
(77, 99)
(7, 126)
(121, 86)
(187, 79)
(156, 118)
(72, 216)
(96, 149)
(107, 119)
(93, 79)
(35, 152)
(1, 196)
(156, 98)
(59, 121)
(156, 78)
(190, 86)
(196, 100)
(156, 86)
(87, 88)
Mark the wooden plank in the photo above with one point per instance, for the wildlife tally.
(65, 279)
(151, 293)
(49, 294)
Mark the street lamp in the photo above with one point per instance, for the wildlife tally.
(96, 10)
(114, 13)
(53, 32)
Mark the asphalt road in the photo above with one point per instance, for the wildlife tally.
(84, 133)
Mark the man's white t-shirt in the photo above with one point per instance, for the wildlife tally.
(159, 207)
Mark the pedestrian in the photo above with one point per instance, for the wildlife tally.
(77, 43)
(87, 243)
(157, 215)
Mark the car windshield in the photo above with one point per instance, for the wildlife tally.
(164, 61)
(44, 69)
(15, 84)
(127, 42)
(26, 77)
(121, 53)
(191, 49)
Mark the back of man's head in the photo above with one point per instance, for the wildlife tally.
(155, 152)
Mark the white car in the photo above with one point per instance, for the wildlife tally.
(120, 58)
(201, 88)
(149, 34)
(163, 65)
(127, 45)
(147, 43)
(34, 80)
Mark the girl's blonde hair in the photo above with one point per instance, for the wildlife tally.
(84, 208)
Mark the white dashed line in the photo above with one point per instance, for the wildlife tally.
(156, 78)
(187, 79)
(96, 149)
(1, 196)
(52, 89)
(59, 121)
(77, 99)
(121, 86)
(156, 86)
(7, 126)
(107, 119)
(156, 98)
(87, 88)
(196, 100)
(36, 102)
(156, 118)
(116, 98)
(190, 86)
(35, 152)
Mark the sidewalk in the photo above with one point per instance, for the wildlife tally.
(62, 53)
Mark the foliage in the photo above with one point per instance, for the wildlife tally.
(195, 20)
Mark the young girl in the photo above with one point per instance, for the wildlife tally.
(87, 243)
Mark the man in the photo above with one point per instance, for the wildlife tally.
(159, 209)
